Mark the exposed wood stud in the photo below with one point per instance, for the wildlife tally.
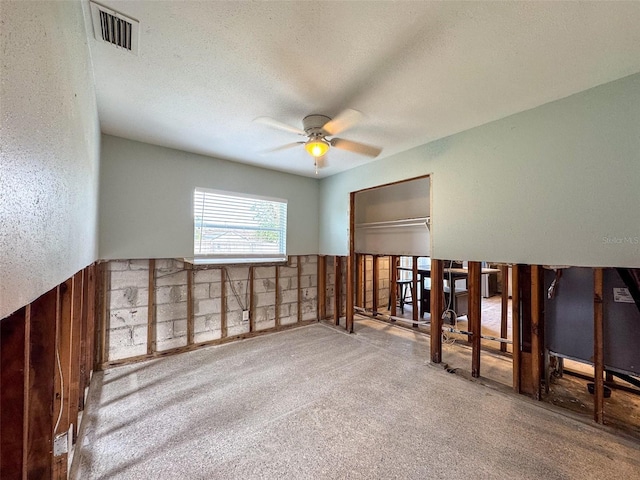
(515, 325)
(375, 273)
(437, 307)
(251, 306)
(84, 374)
(151, 310)
(536, 330)
(504, 313)
(13, 340)
(414, 298)
(393, 286)
(190, 332)
(358, 280)
(104, 321)
(90, 272)
(322, 287)
(475, 315)
(41, 317)
(223, 304)
(337, 290)
(277, 297)
(598, 345)
(299, 273)
(350, 293)
(76, 333)
(364, 281)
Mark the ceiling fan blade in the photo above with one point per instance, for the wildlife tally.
(273, 123)
(283, 147)
(356, 147)
(343, 121)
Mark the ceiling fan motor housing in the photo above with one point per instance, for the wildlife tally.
(313, 125)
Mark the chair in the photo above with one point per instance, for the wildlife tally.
(404, 290)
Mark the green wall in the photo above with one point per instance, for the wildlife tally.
(558, 184)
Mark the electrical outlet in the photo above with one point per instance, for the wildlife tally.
(60, 444)
(245, 315)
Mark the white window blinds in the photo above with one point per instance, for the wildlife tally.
(232, 227)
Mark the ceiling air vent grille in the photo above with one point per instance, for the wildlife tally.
(114, 28)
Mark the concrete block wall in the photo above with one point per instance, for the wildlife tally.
(170, 304)
(128, 301)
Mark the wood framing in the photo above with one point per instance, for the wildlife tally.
(251, 306)
(76, 333)
(504, 312)
(351, 264)
(515, 326)
(104, 320)
(39, 377)
(190, 320)
(415, 297)
(151, 310)
(393, 286)
(437, 307)
(337, 289)
(84, 373)
(299, 273)
(90, 300)
(375, 274)
(13, 341)
(364, 281)
(537, 344)
(598, 345)
(322, 287)
(359, 279)
(223, 303)
(277, 297)
(475, 315)
(62, 385)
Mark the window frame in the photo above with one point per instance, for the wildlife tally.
(237, 258)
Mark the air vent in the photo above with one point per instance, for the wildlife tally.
(114, 28)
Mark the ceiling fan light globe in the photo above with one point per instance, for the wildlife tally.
(316, 148)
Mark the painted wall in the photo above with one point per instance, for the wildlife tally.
(49, 150)
(558, 184)
(146, 199)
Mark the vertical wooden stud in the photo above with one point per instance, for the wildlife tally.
(515, 325)
(277, 297)
(364, 281)
(322, 287)
(337, 290)
(76, 335)
(104, 321)
(299, 272)
(393, 286)
(350, 265)
(598, 344)
(190, 320)
(536, 330)
(475, 315)
(90, 298)
(83, 341)
(13, 341)
(437, 308)
(415, 295)
(223, 303)
(251, 306)
(358, 280)
(62, 380)
(41, 317)
(375, 273)
(504, 313)
(151, 310)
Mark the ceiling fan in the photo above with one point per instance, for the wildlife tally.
(317, 128)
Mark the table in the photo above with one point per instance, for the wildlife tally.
(452, 274)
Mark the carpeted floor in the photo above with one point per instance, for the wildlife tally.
(317, 403)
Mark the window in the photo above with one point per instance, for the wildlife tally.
(234, 228)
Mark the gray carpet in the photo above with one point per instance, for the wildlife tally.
(317, 403)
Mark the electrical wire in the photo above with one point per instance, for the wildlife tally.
(55, 429)
(235, 292)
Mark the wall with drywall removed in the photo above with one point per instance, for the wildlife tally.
(146, 199)
(49, 150)
(558, 184)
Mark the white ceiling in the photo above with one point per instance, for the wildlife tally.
(417, 70)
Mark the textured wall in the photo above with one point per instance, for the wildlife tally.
(557, 184)
(49, 149)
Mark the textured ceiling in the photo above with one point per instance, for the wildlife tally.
(418, 71)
